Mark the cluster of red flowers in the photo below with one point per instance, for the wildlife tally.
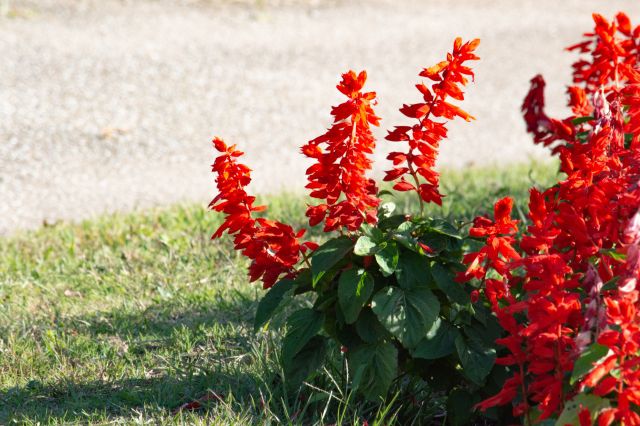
(342, 160)
(424, 137)
(571, 279)
(338, 175)
(612, 59)
(273, 247)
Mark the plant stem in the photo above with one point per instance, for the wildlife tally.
(305, 259)
(414, 175)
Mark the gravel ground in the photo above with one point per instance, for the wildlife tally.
(110, 105)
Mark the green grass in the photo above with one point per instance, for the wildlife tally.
(122, 319)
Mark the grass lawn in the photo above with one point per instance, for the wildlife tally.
(123, 319)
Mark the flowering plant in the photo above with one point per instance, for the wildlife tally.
(565, 289)
(383, 285)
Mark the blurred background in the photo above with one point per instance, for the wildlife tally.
(110, 105)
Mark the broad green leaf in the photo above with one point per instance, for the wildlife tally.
(365, 246)
(477, 361)
(271, 301)
(413, 270)
(302, 281)
(445, 280)
(484, 335)
(369, 328)
(391, 222)
(305, 362)
(407, 227)
(406, 240)
(373, 368)
(327, 255)
(439, 242)
(569, 415)
(325, 300)
(302, 326)
(445, 228)
(586, 361)
(439, 342)
(372, 232)
(387, 258)
(407, 314)
(354, 290)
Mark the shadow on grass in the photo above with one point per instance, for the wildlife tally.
(39, 402)
(164, 317)
(181, 348)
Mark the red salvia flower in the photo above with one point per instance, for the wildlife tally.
(613, 53)
(579, 229)
(545, 130)
(273, 247)
(342, 159)
(414, 170)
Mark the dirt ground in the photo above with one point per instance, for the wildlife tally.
(111, 105)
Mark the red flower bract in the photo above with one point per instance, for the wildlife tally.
(341, 156)
(424, 137)
(273, 247)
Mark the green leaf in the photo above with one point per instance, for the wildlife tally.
(302, 281)
(372, 232)
(369, 328)
(391, 222)
(569, 415)
(354, 290)
(445, 228)
(612, 284)
(385, 192)
(445, 280)
(586, 361)
(407, 227)
(477, 361)
(271, 301)
(306, 362)
(484, 334)
(439, 242)
(365, 246)
(326, 300)
(579, 120)
(628, 137)
(327, 255)
(413, 270)
(373, 368)
(406, 240)
(387, 258)
(616, 256)
(302, 326)
(407, 314)
(439, 342)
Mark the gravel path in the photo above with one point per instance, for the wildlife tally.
(109, 105)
